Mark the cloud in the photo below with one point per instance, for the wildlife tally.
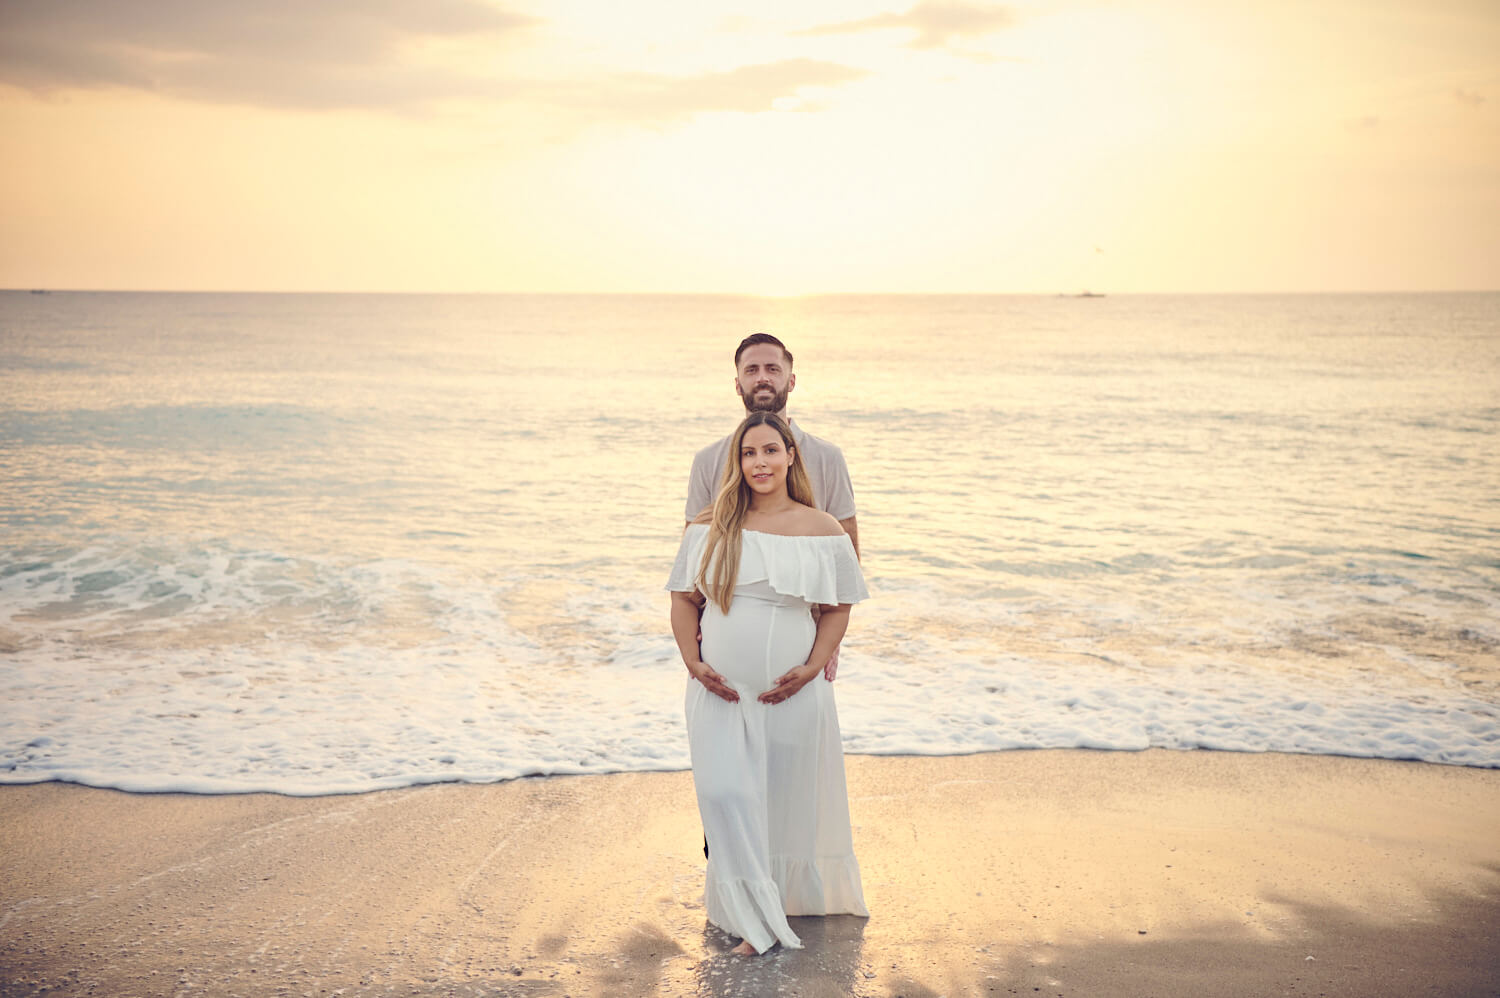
(938, 24)
(347, 54)
(1469, 97)
(278, 53)
(746, 88)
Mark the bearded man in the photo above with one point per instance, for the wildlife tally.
(763, 379)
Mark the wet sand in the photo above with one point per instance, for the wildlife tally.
(1024, 873)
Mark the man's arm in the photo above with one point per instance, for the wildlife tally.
(851, 527)
(838, 494)
(699, 497)
(700, 485)
(839, 499)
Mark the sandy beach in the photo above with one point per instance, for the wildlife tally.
(1025, 873)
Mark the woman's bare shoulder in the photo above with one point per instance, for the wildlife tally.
(816, 523)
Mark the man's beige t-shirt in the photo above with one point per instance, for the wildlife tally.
(833, 493)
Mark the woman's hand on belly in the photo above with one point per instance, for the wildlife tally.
(714, 682)
(788, 684)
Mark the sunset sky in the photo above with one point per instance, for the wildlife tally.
(768, 147)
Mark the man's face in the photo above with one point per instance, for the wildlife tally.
(763, 381)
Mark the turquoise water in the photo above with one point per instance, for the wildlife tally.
(327, 543)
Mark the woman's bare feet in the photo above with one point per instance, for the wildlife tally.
(744, 949)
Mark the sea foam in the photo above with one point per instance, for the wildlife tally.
(332, 543)
(236, 670)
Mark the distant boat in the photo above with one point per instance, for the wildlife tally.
(1084, 294)
(38, 291)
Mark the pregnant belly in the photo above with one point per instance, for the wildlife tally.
(756, 642)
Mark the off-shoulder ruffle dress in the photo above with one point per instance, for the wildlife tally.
(770, 779)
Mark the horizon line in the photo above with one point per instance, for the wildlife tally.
(44, 290)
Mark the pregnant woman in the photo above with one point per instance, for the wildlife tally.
(768, 763)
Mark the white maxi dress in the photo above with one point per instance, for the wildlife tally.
(770, 779)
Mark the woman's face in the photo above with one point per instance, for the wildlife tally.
(764, 460)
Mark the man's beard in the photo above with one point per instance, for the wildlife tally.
(775, 403)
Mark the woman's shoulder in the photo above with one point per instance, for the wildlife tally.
(811, 558)
(825, 524)
(807, 521)
(800, 521)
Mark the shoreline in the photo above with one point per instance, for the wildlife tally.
(1043, 871)
(69, 781)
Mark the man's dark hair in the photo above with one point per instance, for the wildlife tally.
(755, 339)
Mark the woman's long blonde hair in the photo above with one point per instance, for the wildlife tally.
(721, 556)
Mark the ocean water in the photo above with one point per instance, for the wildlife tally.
(332, 543)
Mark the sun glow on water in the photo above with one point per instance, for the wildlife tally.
(319, 543)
